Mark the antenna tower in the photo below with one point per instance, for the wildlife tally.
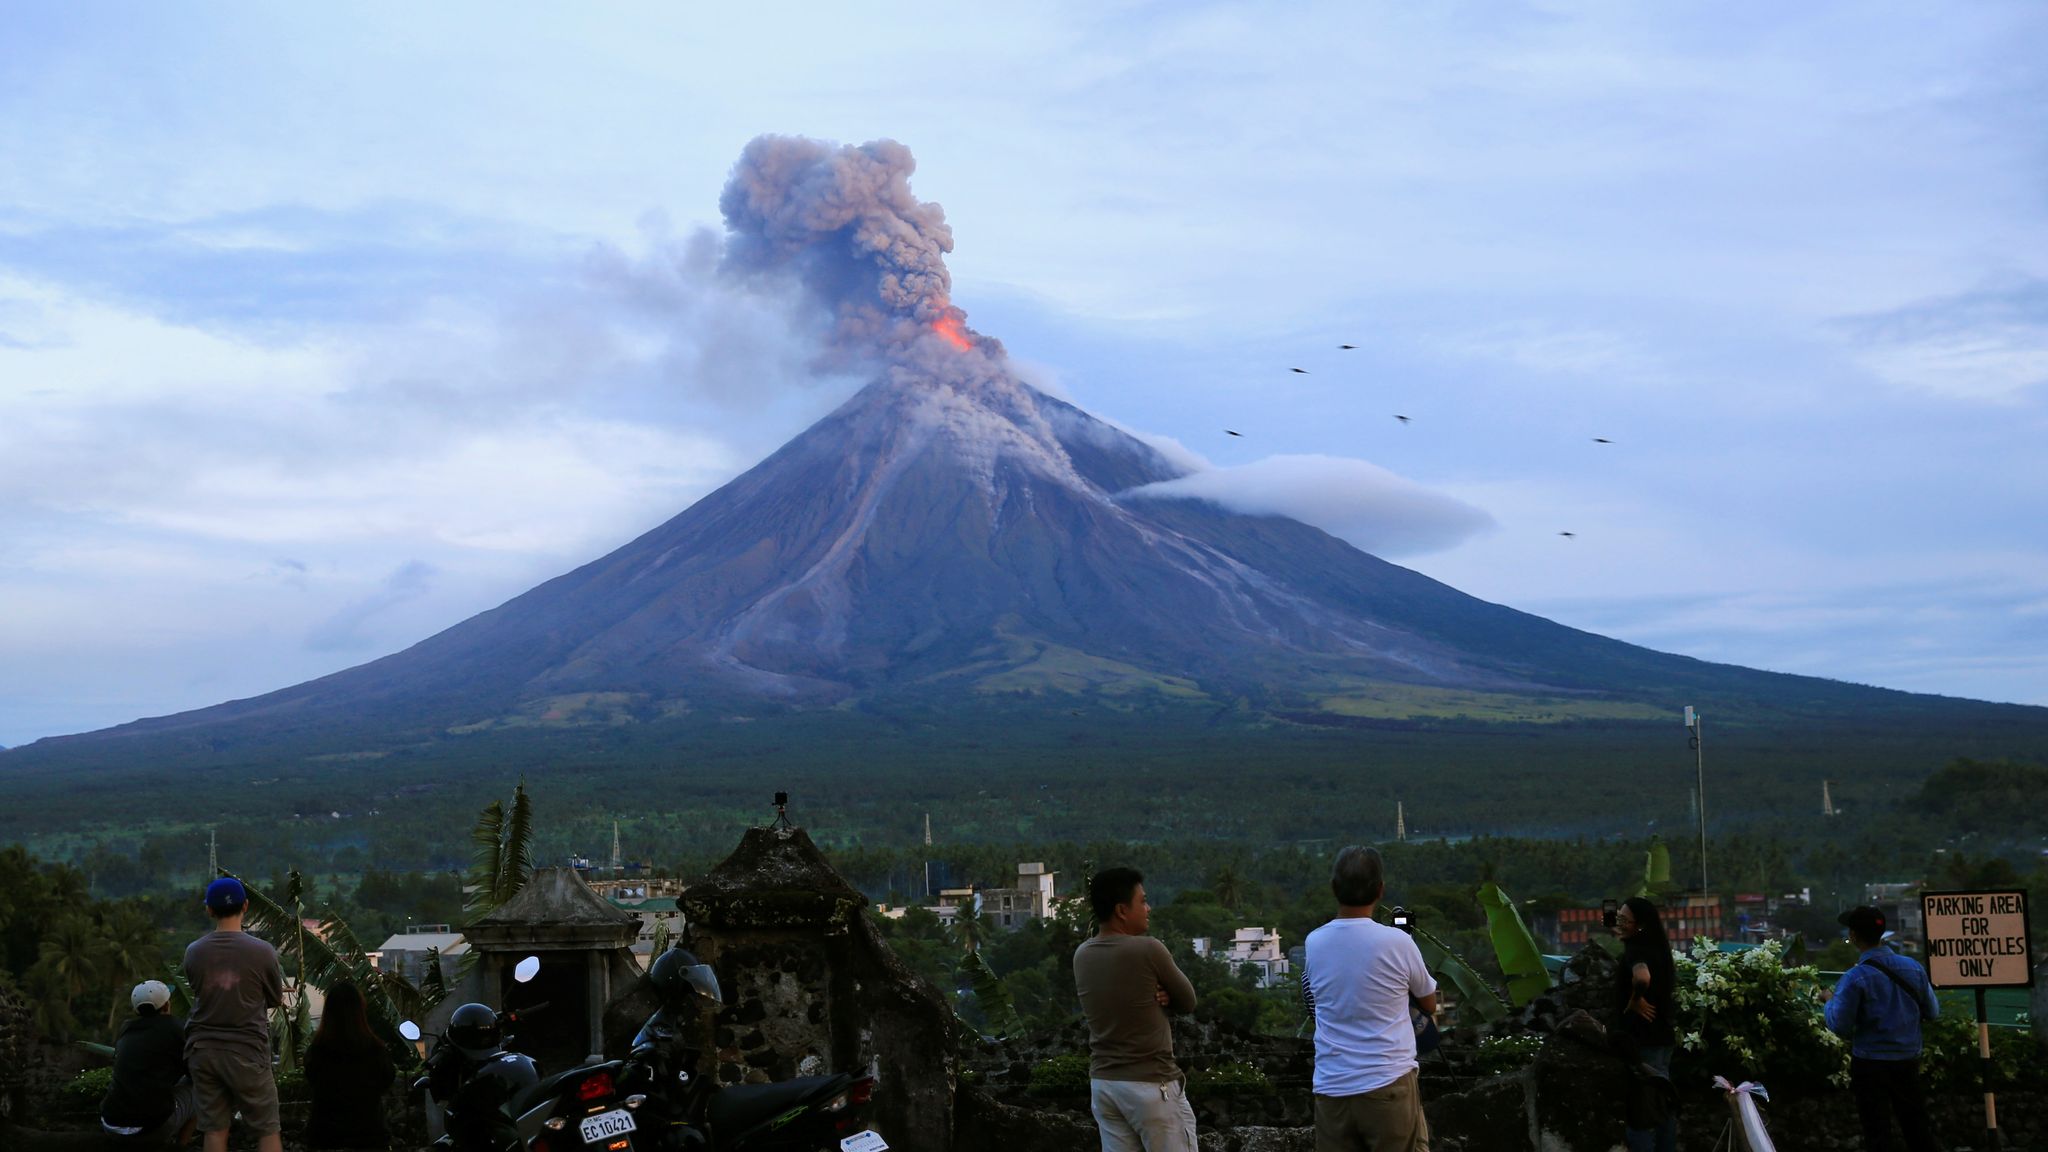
(618, 864)
(212, 855)
(1827, 798)
(1400, 822)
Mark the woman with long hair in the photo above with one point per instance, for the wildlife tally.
(349, 1072)
(1644, 993)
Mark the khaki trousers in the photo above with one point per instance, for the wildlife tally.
(1385, 1119)
(1136, 1116)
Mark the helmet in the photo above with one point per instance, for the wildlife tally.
(676, 973)
(474, 1031)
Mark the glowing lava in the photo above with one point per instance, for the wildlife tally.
(949, 326)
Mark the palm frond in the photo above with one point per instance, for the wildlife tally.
(487, 847)
(518, 857)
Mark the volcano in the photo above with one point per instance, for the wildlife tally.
(930, 541)
(951, 534)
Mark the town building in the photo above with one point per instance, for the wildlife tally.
(1256, 948)
(405, 953)
(653, 900)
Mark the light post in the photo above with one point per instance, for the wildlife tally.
(1692, 725)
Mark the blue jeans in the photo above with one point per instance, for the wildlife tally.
(1664, 1137)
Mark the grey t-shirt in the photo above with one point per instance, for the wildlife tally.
(236, 981)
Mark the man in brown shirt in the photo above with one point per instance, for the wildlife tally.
(1127, 982)
(236, 981)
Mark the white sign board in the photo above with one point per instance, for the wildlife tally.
(1977, 939)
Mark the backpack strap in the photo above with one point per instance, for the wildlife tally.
(1911, 992)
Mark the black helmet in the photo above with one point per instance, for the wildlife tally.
(473, 1029)
(676, 973)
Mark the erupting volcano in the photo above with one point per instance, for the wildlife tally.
(951, 533)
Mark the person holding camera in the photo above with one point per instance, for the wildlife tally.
(1361, 978)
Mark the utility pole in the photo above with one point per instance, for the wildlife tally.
(1692, 725)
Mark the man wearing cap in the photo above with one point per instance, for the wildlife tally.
(236, 981)
(149, 1101)
(1877, 1006)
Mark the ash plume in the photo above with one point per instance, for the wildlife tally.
(841, 221)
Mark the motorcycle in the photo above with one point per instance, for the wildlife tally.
(479, 1093)
(805, 1114)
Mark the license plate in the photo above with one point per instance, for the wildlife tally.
(864, 1142)
(616, 1122)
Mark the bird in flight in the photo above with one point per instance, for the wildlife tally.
(1602, 440)
(1568, 535)
(1347, 347)
(1303, 371)
(1401, 418)
(1228, 432)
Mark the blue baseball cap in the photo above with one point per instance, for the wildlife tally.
(226, 895)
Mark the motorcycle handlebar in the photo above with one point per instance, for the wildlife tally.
(513, 1015)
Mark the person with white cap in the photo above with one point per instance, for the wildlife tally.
(150, 1100)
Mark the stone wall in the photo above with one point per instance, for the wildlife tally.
(811, 988)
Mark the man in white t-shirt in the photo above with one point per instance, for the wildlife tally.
(1360, 977)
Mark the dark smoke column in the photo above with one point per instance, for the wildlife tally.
(842, 220)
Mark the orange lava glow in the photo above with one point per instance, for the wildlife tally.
(949, 327)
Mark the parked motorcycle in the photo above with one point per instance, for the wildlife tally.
(480, 1095)
(806, 1114)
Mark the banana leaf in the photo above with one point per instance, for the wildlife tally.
(991, 994)
(1520, 960)
(1656, 870)
(1473, 990)
(106, 1050)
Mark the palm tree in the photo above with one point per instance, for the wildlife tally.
(972, 930)
(1227, 883)
(71, 962)
(134, 953)
(502, 853)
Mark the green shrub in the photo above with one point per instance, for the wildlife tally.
(1498, 1054)
(1063, 1075)
(86, 1090)
(1949, 1059)
(1746, 1016)
(1234, 1078)
(292, 1087)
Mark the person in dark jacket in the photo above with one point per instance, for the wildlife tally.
(1645, 985)
(349, 1072)
(1878, 1006)
(150, 1101)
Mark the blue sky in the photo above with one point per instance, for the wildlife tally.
(322, 330)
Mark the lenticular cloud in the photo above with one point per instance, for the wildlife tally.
(1363, 503)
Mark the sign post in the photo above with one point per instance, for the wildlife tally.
(1979, 940)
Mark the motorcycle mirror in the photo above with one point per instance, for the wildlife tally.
(526, 970)
(409, 1030)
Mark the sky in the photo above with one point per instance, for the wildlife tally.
(322, 329)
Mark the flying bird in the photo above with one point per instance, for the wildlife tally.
(1602, 440)
(1347, 347)
(1303, 371)
(1228, 432)
(1568, 535)
(1401, 418)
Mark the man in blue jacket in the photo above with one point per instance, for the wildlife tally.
(1877, 1007)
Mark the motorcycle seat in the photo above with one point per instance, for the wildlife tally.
(744, 1106)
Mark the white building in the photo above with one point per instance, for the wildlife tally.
(1008, 908)
(406, 952)
(1257, 947)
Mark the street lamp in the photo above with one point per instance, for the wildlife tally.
(1692, 725)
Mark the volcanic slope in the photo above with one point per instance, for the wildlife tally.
(924, 543)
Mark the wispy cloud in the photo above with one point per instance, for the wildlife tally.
(343, 630)
(1361, 502)
(1988, 344)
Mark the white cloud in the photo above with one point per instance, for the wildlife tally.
(1363, 503)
